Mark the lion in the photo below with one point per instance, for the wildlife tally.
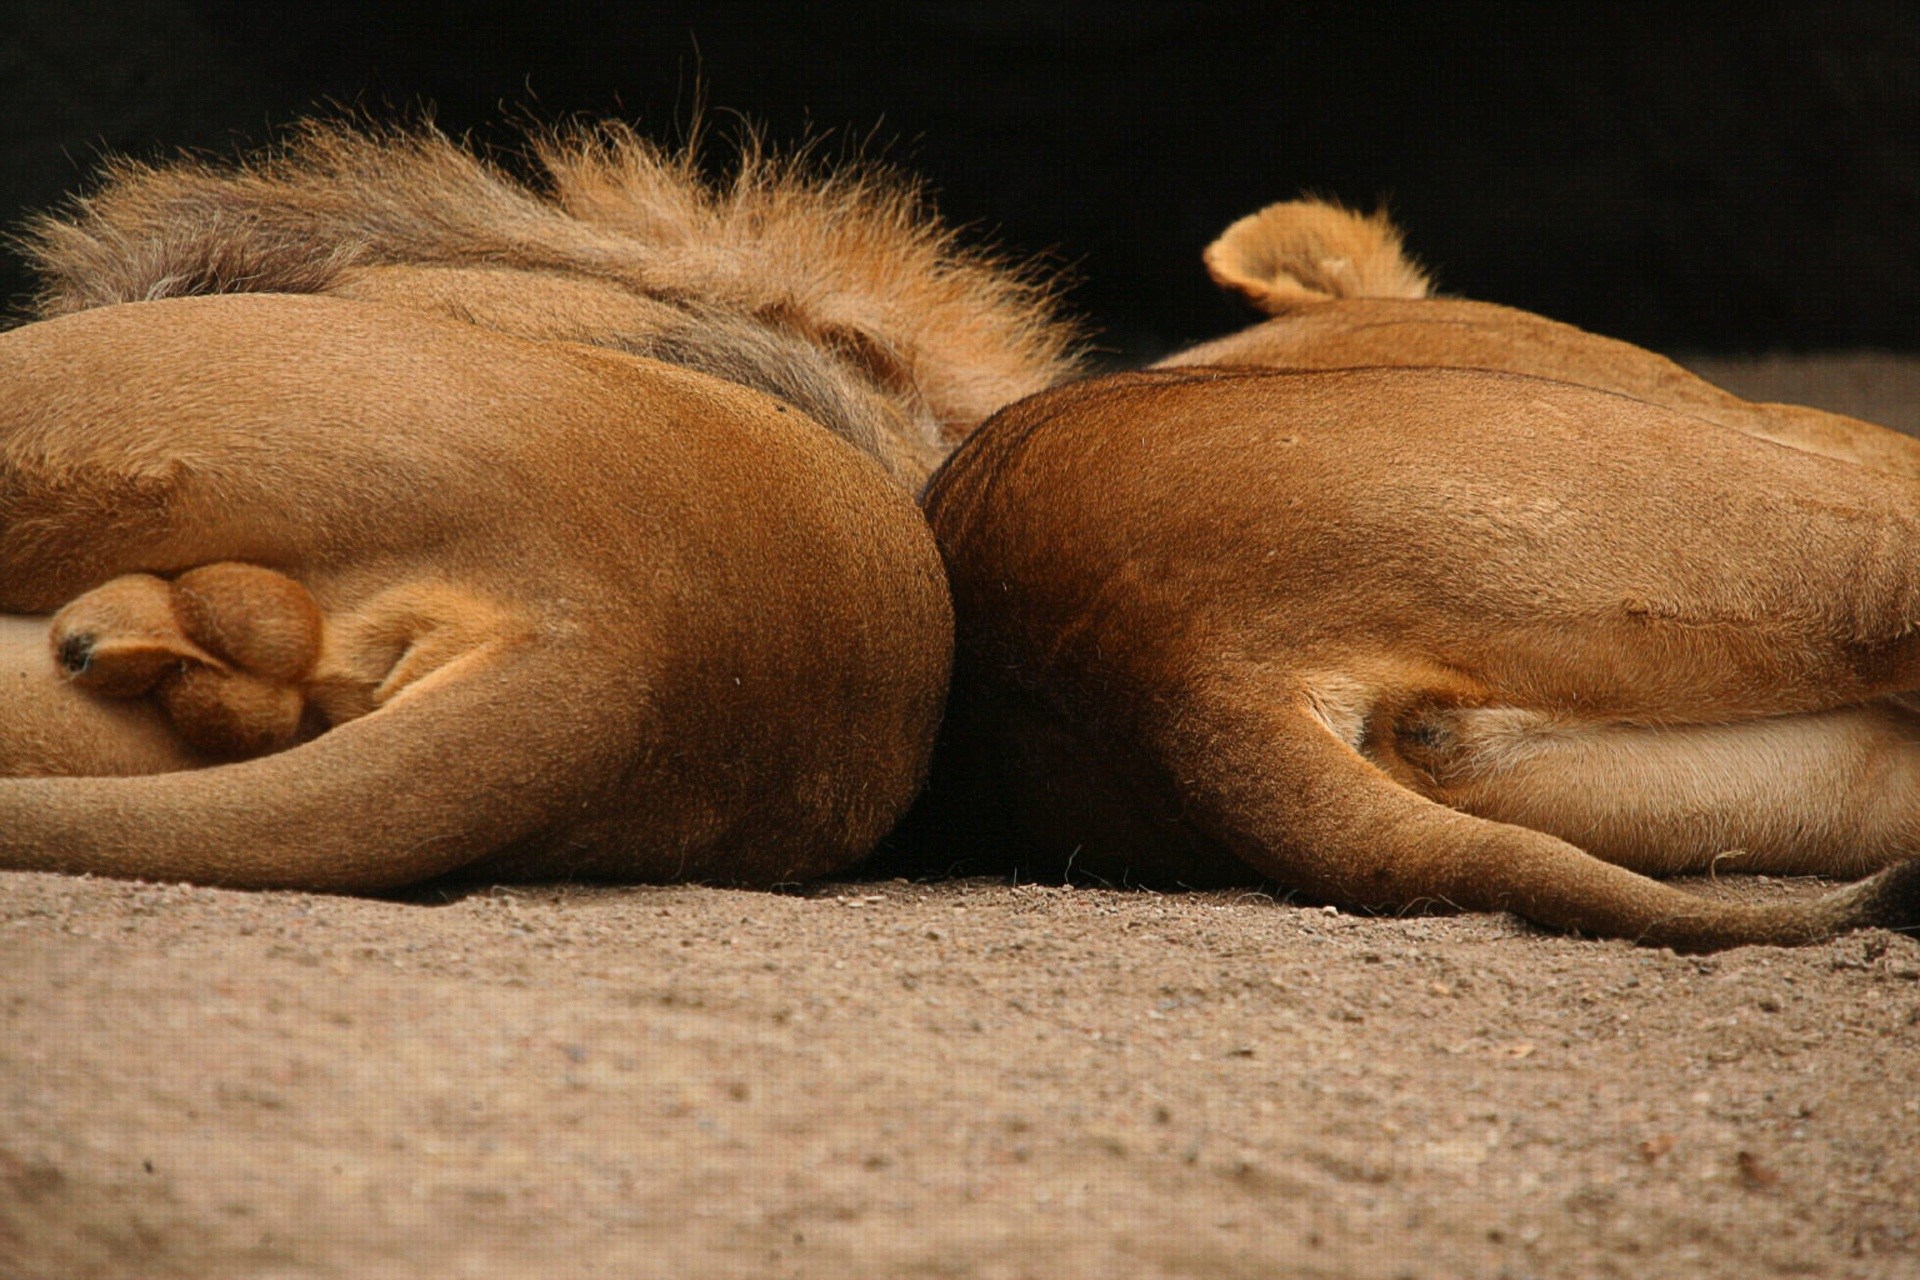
(1403, 601)
(369, 515)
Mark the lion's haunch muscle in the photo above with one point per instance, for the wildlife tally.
(1268, 605)
(1401, 600)
(596, 486)
(574, 612)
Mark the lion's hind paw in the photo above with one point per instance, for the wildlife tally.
(123, 638)
(224, 648)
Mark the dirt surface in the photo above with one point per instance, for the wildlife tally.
(960, 1079)
(957, 1079)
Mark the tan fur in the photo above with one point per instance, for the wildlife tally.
(840, 278)
(226, 649)
(1303, 252)
(1378, 320)
(516, 597)
(1437, 602)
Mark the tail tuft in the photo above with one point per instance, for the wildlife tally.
(1891, 900)
(1301, 252)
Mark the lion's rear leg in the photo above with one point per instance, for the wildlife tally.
(224, 649)
(1829, 793)
(1261, 773)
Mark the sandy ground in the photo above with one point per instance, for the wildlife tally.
(957, 1079)
(1872, 385)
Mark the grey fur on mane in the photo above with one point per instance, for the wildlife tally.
(835, 289)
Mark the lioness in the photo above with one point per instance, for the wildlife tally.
(1401, 600)
(367, 514)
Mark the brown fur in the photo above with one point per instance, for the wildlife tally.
(1437, 602)
(1303, 252)
(524, 600)
(833, 290)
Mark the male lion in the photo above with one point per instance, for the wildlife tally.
(1401, 600)
(402, 518)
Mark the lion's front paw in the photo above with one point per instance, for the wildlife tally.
(225, 648)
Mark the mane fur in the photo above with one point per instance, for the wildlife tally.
(836, 289)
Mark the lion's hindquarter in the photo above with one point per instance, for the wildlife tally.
(1457, 333)
(740, 619)
(1414, 554)
(1521, 538)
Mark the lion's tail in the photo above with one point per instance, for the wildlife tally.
(1301, 252)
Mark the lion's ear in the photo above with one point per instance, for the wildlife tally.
(1302, 252)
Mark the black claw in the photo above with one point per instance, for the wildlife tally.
(76, 654)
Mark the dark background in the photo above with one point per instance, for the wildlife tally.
(1697, 179)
